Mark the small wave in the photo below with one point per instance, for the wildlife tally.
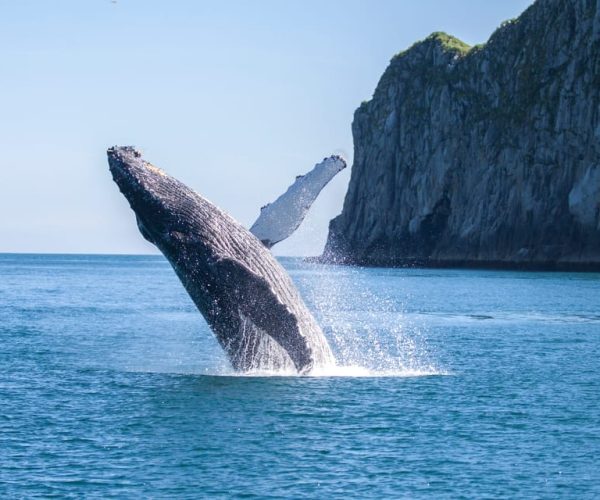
(480, 316)
(502, 317)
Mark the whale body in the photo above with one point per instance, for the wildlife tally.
(245, 295)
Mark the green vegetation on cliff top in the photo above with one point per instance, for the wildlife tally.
(448, 42)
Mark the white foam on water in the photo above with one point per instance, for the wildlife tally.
(361, 371)
(333, 371)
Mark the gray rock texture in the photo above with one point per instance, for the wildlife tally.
(482, 156)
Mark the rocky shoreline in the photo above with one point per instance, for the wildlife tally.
(575, 267)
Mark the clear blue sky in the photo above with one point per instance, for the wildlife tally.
(234, 98)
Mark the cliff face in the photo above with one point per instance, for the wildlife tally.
(482, 156)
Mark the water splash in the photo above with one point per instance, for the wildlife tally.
(366, 324)
(370, 335)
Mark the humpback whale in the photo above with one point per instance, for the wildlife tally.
(245, 295)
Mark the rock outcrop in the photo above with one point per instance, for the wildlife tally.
(485, 155)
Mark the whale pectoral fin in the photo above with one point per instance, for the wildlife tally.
(278, 220)
(256, 302)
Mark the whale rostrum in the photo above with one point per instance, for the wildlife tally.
(245, 295)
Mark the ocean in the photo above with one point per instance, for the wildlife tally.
(450, 383)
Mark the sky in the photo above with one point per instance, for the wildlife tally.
(234, 98)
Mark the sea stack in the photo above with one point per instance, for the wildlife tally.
(485, 155)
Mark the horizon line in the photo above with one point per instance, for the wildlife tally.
(97, 254)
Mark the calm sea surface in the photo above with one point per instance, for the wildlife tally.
(451, 383)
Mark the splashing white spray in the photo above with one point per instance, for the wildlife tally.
(368, 332)
(365, 325)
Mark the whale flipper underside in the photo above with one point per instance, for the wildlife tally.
(278, 220)
(245, 295)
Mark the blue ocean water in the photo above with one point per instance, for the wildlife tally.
(452, 384)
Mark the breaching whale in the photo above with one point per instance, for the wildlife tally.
(245, 295)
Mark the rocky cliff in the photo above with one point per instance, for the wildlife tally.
(485, 155)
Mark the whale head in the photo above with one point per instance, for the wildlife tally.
(152, 195)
